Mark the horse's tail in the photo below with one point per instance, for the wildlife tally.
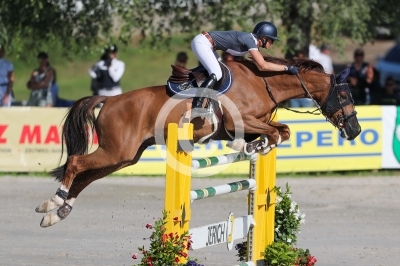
(79, 119)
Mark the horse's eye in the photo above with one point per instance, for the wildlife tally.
(343, 97)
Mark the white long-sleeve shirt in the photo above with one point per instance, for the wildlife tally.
(116, 70)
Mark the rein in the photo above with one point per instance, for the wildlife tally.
(309, 95)
(287, 108)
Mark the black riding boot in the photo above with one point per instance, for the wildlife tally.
(197, 108)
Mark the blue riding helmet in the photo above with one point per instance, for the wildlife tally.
(266, 29)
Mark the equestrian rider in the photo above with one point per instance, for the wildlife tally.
(236, 43)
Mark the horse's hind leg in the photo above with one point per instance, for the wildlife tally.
(79, 183)
(76, 165)
(103, 168)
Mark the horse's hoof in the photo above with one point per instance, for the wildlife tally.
(249, 149)
(48, 205)
(49, 219)
(266, 150)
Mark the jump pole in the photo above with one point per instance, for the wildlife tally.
(178, 194)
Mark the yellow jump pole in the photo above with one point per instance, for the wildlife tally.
(178, 179)
(262, 206)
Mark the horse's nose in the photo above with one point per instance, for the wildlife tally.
(354, 133)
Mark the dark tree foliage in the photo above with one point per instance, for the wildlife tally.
(81, 26)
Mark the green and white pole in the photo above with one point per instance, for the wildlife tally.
(221, 159)
(222, 189)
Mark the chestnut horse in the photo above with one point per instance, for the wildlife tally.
(127, 124)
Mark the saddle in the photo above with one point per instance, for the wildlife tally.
(184, 81)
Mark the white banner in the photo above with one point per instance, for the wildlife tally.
(391, 137)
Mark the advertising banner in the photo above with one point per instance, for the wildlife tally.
(30, 141)
(315, 145)
(391, 137)
(30, 138)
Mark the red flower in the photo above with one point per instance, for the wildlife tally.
(149, 226)
(164, 238)
(134, 256)
(176, 259)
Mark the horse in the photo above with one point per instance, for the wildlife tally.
(129, 123)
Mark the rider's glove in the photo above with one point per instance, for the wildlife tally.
(292, 69)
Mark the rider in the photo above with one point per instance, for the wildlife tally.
(236, 43)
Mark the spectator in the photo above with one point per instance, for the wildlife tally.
(300, 102)
(181, 60)
(226, 57)
(313, 52)
(94, 85)
(300, 54)
(40, 83)
(107, 73)
(390, 96)
(360, 78)
(6, 79)
(325, 58)
(229, 57)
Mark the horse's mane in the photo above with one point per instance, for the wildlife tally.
(303, 64)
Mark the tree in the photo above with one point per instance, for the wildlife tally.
(89, 24)
(74, 25)
(299, 21)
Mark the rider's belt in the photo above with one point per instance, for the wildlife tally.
(209, 39)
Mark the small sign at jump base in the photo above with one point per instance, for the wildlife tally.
(222, 232)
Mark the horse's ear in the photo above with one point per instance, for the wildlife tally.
(341, 78)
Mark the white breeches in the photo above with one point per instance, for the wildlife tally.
(202, 48)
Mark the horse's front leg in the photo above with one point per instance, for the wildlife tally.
(265, 145)
(270, 137)
(283, 129)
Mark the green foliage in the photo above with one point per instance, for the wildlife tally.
(288, 218)
(86, 27)
(280, 254)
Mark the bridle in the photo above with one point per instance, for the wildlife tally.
(330, 106)
(333, 103)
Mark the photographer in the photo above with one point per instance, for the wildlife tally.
(106, 73)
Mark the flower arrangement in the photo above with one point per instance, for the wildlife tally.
(165, 249)
(288, 217)
(305, 258)
(288, 220)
